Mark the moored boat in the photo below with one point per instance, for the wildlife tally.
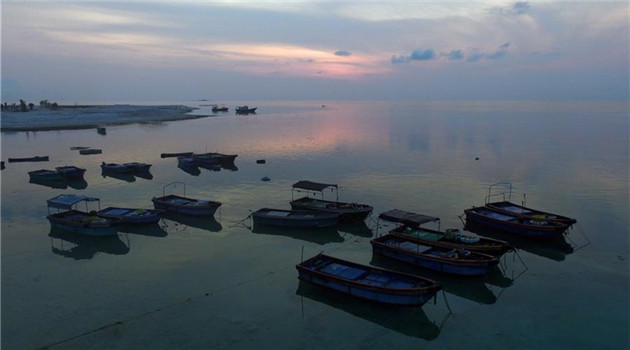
(174, 155)
(125, 167)
(510, 208)
(45, 175)
(367, 282)
(245, 110)
(219, 109)
(29, 159)
(411, 228)
(70, 171)
(131, 215)
(433, 257)
(184, 205)
(294, 218)
(523, 226)
(90, 151)
(82, 222)
(353, 212)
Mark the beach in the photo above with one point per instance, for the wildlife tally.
(92, 116)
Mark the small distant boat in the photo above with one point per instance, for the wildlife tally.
(82, 222)
(126, 167)
(2, 165)
(245, 110)
(294, 218)
(411, 228)
(131, 215)
(71, 172)
(433, 257)
(527, 227)
(214, 158)
(44, 174)
(184, 205)
(174, 155)
(353, 212)
(29, 159)
(90, 151)
(219, 109)
(367, 282)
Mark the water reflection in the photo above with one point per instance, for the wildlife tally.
(151, 230)
(315, 235)
(555, 250)
(79, 184)
(190, 169)
(174, 222)
(80, 247)
(410, 321)
(471, 288)
(360, 229)
(120, 176)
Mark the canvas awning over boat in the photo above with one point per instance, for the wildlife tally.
(407, 218)
(312, 186)
(66, 201)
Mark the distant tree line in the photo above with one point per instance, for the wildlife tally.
(24, 107)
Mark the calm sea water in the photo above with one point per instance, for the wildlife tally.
(215, 284)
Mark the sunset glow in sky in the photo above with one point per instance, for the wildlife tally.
(385, 50)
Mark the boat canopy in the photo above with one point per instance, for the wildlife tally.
(66, 201)
(407, 218)
(312, 186)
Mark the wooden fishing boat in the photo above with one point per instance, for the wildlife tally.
(214, 158)
(367, 282)
(219, 109)
(90, 151)
(245, 110)
(70, 171)
(352, 212)
(434, 257)
(184, 205)
(29, 159)
(82, 222)
(45, 175)
(507, 207)
(294, 218)
(125, 167)
(510, 208)
(523, 226)
(175, 155)
(132, 215)
(411, 228)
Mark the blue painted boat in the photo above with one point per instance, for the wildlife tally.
(82, 222)
(452, 261)
(350, 212)
(294, 218)
(367, 282)
(184, 205)
(527, 227)
(70, 171)
(132, 215)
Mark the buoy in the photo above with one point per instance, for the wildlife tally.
(476, 158)
(261, 161)
(266, 179)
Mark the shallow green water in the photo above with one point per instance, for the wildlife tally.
(216, 284)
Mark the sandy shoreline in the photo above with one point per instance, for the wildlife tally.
(88, 117)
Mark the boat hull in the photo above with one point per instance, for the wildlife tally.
(406, 289)
(519, 210)
(186, 206)
(438, 238)
(511, 224)
(132, 215)
(293, 218)
(433, 258)
(349, 212)
(79, 222)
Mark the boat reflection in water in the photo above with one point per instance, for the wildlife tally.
(150, 230)
(315, 235)
(81, 247)
(360, 229)
(410, 321)
(78, 184)
(555, 249)
(472, 288)
(174, 222)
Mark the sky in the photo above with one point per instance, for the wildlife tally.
(314, 50)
